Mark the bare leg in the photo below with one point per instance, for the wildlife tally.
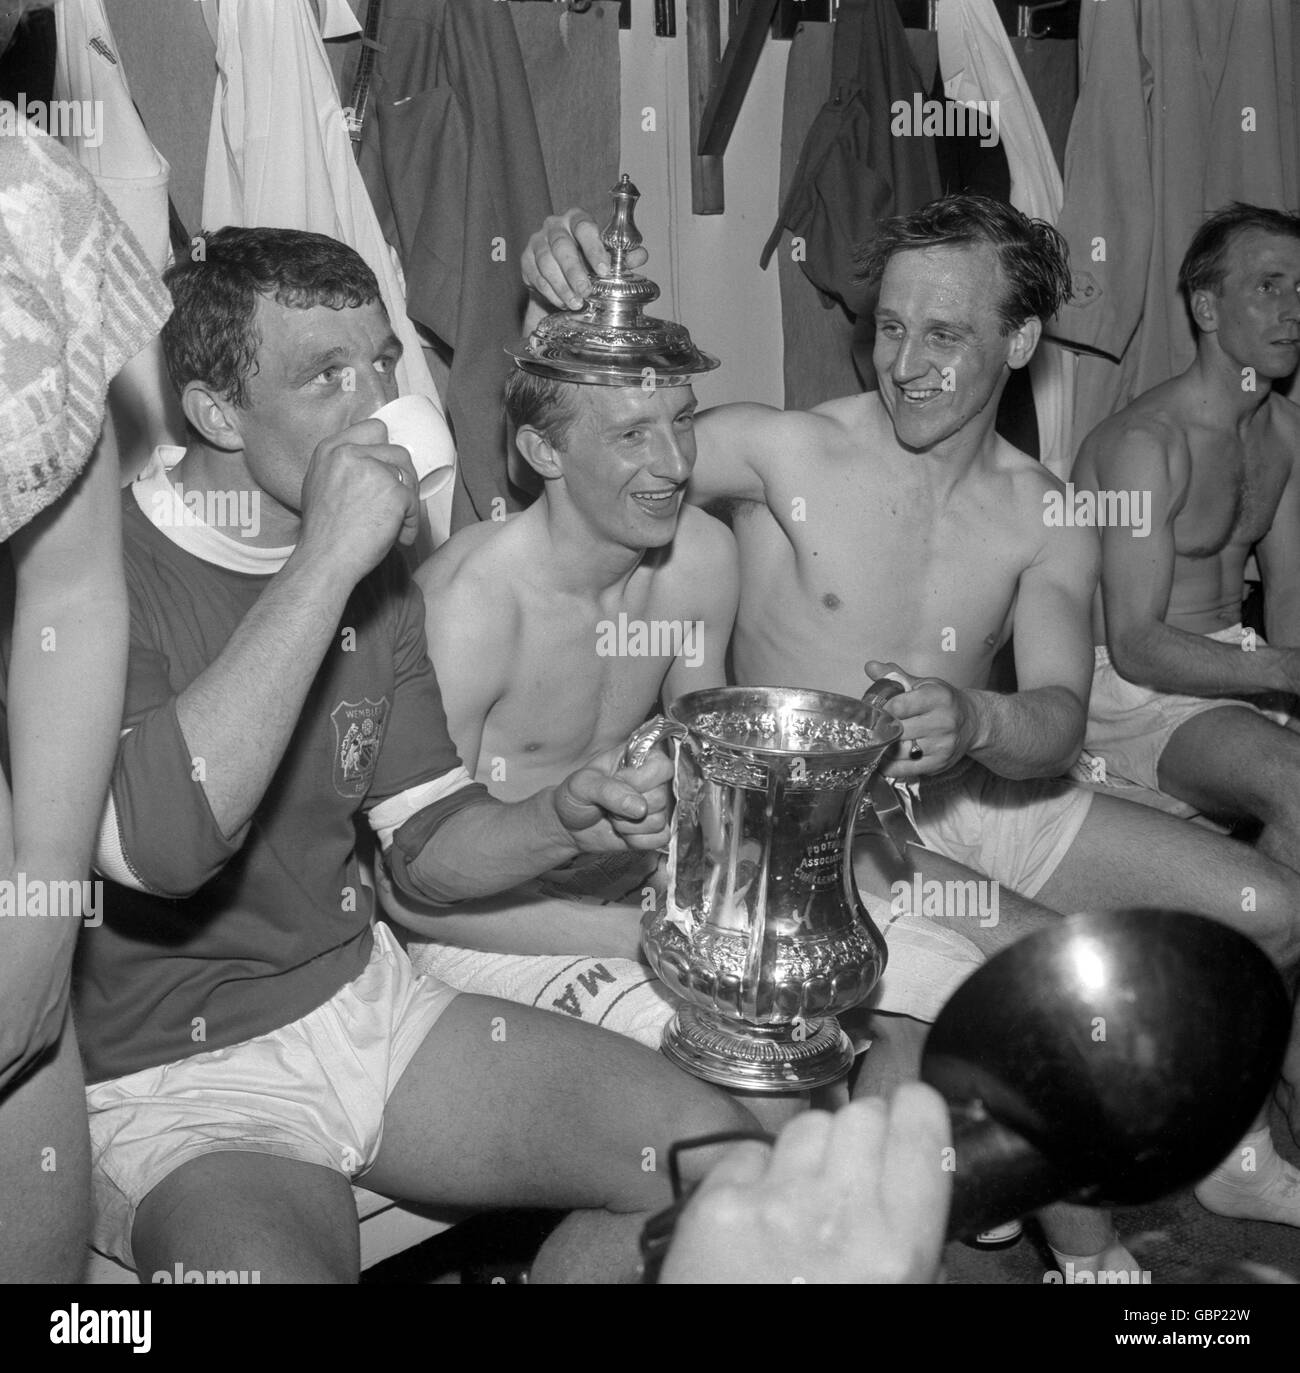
(878, 868)
(1131, 855)
(897, 1042)
(1085, 1239)
(1236, 762)
(283, 1220)
(506, 1105)
(45, 1172)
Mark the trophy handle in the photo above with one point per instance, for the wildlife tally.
(882, 690)
(883, 801)
(637, 749)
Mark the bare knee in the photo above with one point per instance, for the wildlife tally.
(1274, 899)
(711, 1111)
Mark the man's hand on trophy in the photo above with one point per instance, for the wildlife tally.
(938, 722)
(560, 257)
(860, 1196)
(606, 807)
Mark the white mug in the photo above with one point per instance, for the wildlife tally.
(414, 423)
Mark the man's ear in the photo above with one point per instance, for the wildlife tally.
(1205, 311)
(539, 453)
(216, 419)
(1023, 341)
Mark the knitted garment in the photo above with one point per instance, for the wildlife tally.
(78, 299)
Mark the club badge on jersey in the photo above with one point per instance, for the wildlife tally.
(358, 737)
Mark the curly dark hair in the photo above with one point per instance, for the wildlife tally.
(211, 336)
(1034, 257)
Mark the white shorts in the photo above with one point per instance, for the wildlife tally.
(1129, 727)
(927, 963)
(314, 1091)
(1014, 830)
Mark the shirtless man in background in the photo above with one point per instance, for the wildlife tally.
(1216, 453)
(898, 526)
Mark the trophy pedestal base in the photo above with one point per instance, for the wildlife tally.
(753, 1058)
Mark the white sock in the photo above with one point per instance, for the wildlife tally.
(1114, 1258)
(1253, 1183)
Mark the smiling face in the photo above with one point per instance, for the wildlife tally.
(1255, 314)
(626, 459)
(319, 370)
(940, 356)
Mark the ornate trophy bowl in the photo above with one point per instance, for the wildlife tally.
(763, 933)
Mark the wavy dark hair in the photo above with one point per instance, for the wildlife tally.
(211, 336)
(1034, 258)
(1205, 263)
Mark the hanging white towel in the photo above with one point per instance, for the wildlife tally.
(978, 64)
(115, 148)
(279, 155)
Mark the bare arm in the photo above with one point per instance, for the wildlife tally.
(1038, 731)
(65, 710)
(237, 716)
(713, 572)
(1278, 554)
(491, 846)
(470, 624)
(1137, 579)
(526, 925)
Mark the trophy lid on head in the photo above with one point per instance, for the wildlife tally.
(611, 341)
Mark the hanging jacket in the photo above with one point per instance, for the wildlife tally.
(853, 171)
(451, 156)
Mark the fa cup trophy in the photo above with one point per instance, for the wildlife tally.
(763, 934)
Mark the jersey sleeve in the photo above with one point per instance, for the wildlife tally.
(158, 833)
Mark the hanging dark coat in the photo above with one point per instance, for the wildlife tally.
(853, 171)
(453, 163)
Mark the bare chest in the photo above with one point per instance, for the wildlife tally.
(870, 574)
(1232, 498)
(575, 690)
